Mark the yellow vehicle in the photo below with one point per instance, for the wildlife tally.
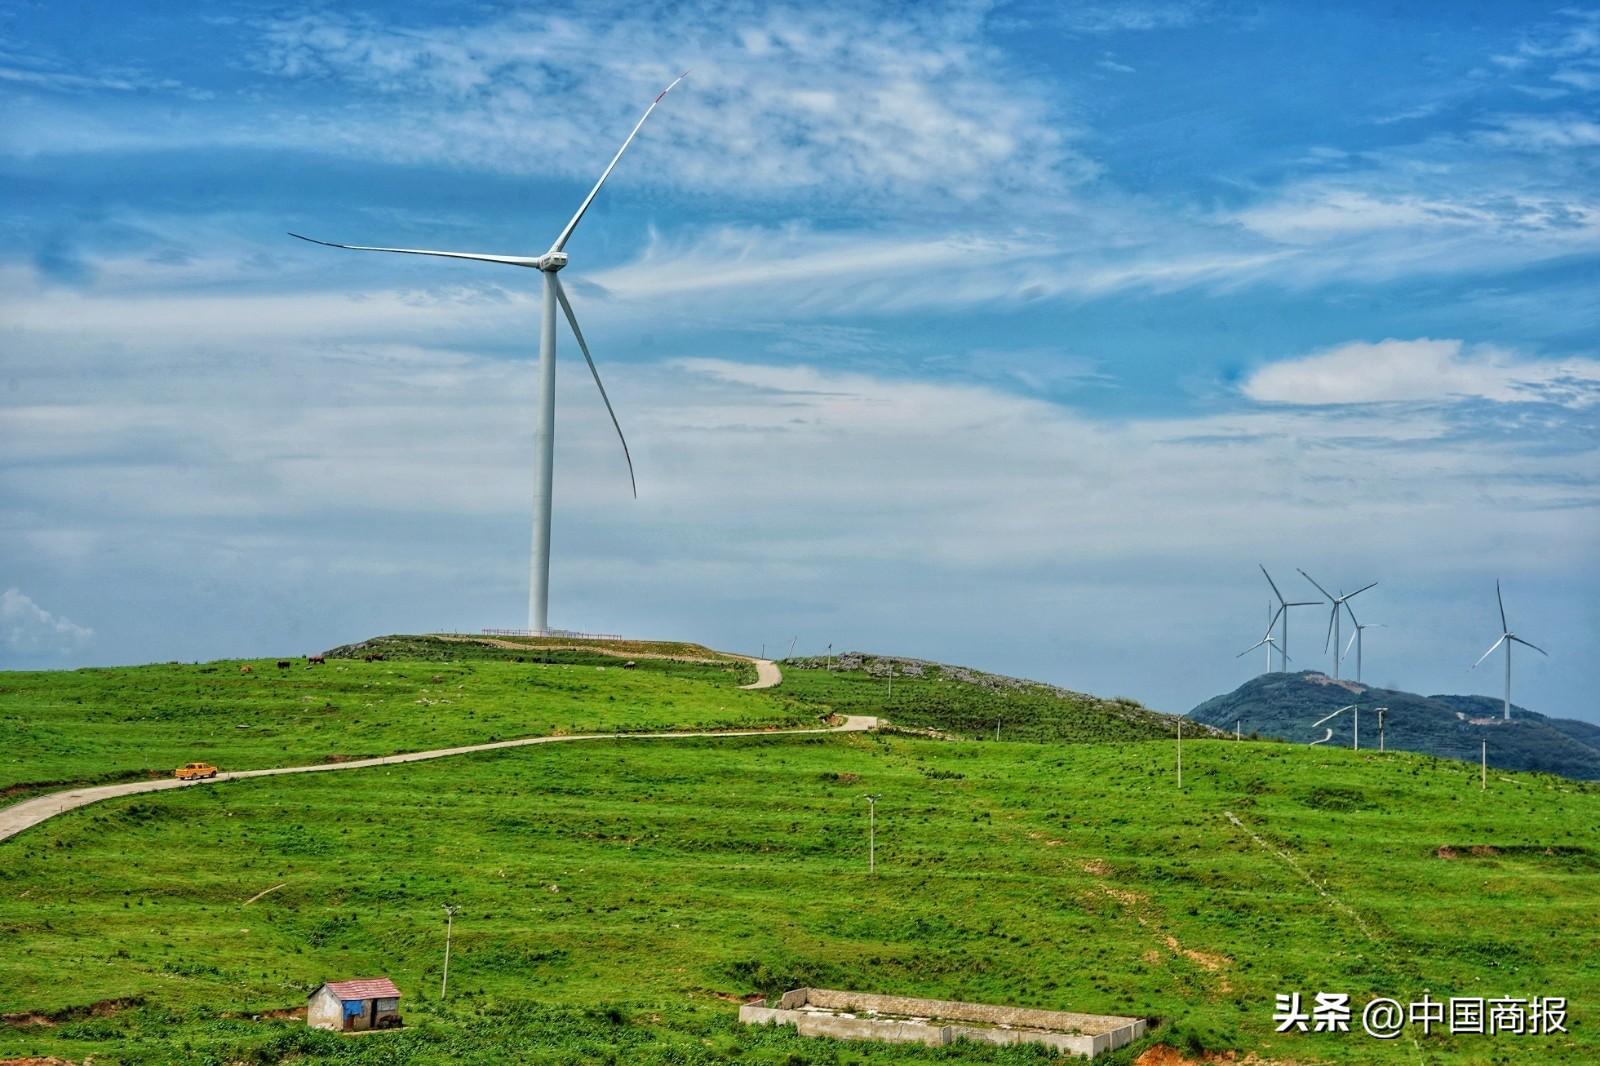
(195, 771)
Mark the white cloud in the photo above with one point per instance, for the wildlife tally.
(1424, 370)
(841, 102)
(27, 628)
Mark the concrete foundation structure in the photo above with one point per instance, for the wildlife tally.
(935, 1022)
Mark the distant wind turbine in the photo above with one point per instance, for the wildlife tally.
(1269, 641)
(1338, 601)
(1507, 638)
(550, 263)
(1355, 639)
(1283, 612)
(1356, 742)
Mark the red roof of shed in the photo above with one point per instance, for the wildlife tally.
(365, 988)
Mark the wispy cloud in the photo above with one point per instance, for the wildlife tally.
(1424, 370)
(839, 104)
(27, 628)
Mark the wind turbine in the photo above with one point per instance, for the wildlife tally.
(1355, 639)
(1333, 619)
(1507, 638)
(1269, 640)
(549, 264)
(1283, 610)
(1356, 742)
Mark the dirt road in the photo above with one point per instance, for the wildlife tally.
(24, 815)
(767, 674)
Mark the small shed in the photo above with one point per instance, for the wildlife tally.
(352, 1006)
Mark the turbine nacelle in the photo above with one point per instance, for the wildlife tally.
(550, 262)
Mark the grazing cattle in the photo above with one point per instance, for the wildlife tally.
(246, 669)
(316, 660)
(283, 664)
(376, 657)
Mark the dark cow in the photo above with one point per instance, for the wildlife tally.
(283, 664)
(316, 660)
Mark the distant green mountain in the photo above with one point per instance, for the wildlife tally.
(1285, 705)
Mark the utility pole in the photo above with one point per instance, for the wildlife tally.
(1483, 766)
(891, 684)
(830, 656)
(997, 730)
(1180, 754)
(449, 922)
(1238, 729)
(1381, 712)
(872, 834)
(1357, 744)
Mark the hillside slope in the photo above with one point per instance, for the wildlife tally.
(958, 701)
(1284, 705)
(400, 693)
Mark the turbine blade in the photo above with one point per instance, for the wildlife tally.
(1251, 648)
(1504, 628)
(1350, 644)
(1535, 647)
(1271, 582)
(1275, 616)
(1303, 603)
(1360, 590)
(1313, 580)
(572, 320)
(1488, 653)
(510, 260)
(1351, 612)
(1331, 616)
(1325, 739)
(561, 241)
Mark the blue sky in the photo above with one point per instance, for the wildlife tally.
(1014, 335)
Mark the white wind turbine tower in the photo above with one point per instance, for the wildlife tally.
(550, 263)
(1507, 638)
(1355, 639)
(1283, 612)
(1333, 619)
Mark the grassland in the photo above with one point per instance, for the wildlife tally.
(120, 723)
(616, 900)
(960, 702)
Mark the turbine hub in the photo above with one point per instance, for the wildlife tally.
(551, 262)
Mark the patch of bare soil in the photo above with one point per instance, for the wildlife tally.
(1167, 1055)
(25, 1018)
(49, 1060)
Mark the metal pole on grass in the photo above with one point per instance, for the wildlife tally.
(1483, 766)
(872, 834)
(449, 923)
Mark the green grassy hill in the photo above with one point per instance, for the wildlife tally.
(958, 701)
(616, 900)
(1284, 705)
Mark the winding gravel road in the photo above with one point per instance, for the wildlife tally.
(29, 813)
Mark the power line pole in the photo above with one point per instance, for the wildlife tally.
(1381, 712)
(1180, 754)
(1483, 767)
(872, 834)
(449, 922)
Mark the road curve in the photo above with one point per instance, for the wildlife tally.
(29, 813)
(767, 674)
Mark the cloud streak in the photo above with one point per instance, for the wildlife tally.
(1424, 370)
